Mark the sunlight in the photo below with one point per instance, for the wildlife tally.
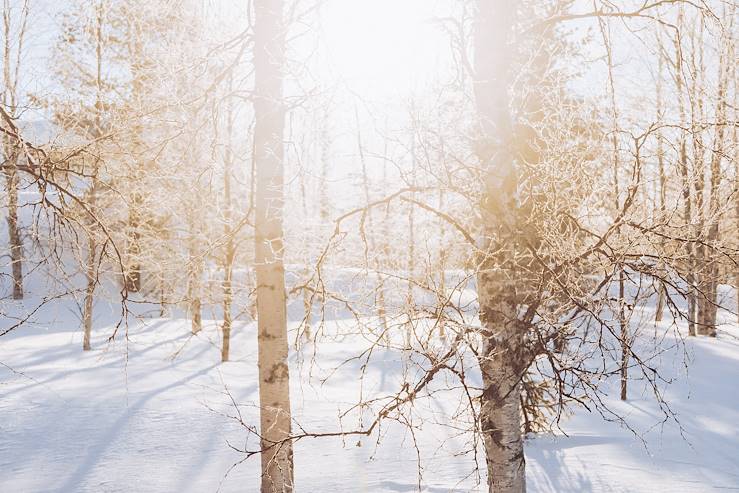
(382, 246)
(383, 46)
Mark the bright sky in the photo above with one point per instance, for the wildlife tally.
(384, 48)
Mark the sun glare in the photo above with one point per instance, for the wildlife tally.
(293, 246)
(383, 46)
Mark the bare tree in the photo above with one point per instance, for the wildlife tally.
(15, 21)
(687, 194)
(661, 195)
(501, 356)
(274, 375)
(710, 307)
(229, 254)
(91, 271)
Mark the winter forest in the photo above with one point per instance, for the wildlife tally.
(430, 246)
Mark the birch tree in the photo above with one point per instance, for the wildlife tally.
(502, 348)
(229, 251)
(274, 378)
(86, 112)
(15, 21)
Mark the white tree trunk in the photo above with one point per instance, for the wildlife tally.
(91, 274)
(195, 274)
(712, 268)
(14, 237)
(662, 182)
(9, 96)
(685, 181)
(274, 391)
(501, 357)
(228, 260)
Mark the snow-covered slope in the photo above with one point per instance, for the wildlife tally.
(150, 415)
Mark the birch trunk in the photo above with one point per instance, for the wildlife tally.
(230, 249)
(14, 237)
(228, 263)
(195, 274)
(138, 170)
(685, 178)
(625, 336)
(90, 273)
(9, 96)
(133, 279)
(269, 111)
(697, 117)
(442, 270)
(715, 184)
(91, 267)
(502, 337)
(370, 238)
(623, 325)
(410, 301)
(661, 289)
(305, 271)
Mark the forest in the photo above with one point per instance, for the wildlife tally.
(381, 246)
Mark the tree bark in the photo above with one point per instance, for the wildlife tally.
(379, 280)
(195, 303)
(662, 180)
(195, 274)
(685, 178)
(136, 216)
(9, 101)
(230, 251)
(269, 111)
(91, 267)
(502, 336)
(622, 322)
(90, 273)
(712, 238)
(625, 336)
(14, 237)
(697, 117)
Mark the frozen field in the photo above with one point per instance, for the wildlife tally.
(157, 421)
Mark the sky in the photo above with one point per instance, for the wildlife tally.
(378, 55)
(386, 48)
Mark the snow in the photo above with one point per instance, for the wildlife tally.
(150, 413)
(602, 456)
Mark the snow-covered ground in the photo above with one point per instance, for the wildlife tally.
(150, 415)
